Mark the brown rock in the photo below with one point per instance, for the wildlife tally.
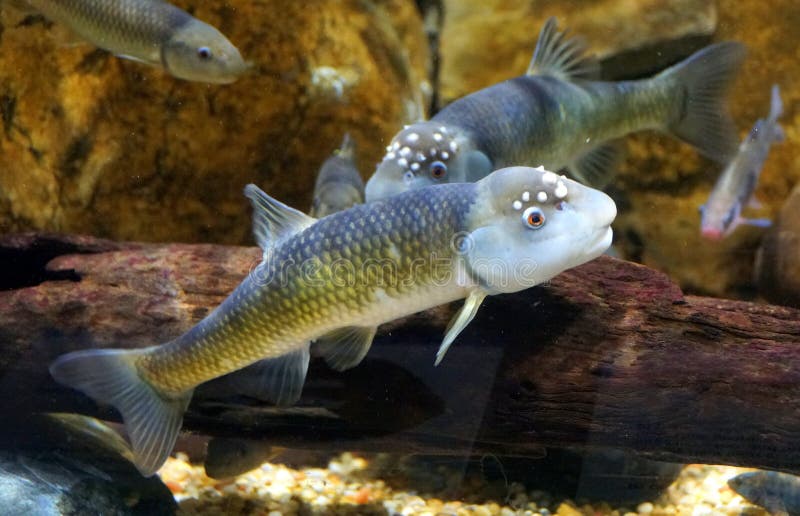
(106, 146)
(777, 267)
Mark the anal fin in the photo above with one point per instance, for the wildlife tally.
(346, 347)
(460, 321)
(278, 380)
(597, 167)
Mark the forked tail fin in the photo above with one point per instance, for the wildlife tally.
(152, 418)
(702, 119)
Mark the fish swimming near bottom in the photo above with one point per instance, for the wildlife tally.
(339, 185)
(334, 280)
(559, 116)
(150, 31)
(779, 493)
(721, 214)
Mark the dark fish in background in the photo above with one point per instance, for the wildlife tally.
(227, 458)
(721, 214)
(779, 493)
(441, 244)
(557, 117)
(152, 32)
(339, 185)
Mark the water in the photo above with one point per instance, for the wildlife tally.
(585, 395)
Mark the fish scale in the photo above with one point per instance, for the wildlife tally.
(272, 307)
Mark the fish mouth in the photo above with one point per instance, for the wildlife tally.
(602, 242)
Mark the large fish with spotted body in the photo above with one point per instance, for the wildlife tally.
(150, 31)
(334, 280)
(556, 116)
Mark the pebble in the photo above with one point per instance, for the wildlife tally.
(350, 486)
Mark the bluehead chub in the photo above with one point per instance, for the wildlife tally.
(557, 115)
(332, 281)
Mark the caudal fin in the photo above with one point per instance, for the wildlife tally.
(152, 419)
(702, 119)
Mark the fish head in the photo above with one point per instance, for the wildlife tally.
(199, 52)
(717, 220)
(425, 154)
(528, 225)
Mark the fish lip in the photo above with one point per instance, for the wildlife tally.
(602, 242)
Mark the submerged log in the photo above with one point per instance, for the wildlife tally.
(609, 354)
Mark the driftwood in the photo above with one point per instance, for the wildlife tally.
(610, 354)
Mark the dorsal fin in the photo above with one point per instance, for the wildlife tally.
(273, 221)
(561, 57)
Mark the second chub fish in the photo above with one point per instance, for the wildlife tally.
(556, 115)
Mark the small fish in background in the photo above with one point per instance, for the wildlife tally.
(153, 32)
(516, 228)
(339, 185)
(779, 493)
(227, 458)
(555, 115)
(721, 214)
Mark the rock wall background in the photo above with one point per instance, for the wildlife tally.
(99, 145)
(94, 144)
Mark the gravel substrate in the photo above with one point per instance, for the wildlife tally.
(352, 485)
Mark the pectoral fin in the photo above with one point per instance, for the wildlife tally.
(596, 168)
(460, 321)
(759, 223)
(273, 221)
(561, 57)
(346, 347)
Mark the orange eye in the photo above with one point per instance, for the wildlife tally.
(533, 217)
(438, 169)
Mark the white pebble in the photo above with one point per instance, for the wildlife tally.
(645, 508)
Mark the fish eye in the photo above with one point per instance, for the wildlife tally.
(204, 53)
(533, 217)
(438, 169)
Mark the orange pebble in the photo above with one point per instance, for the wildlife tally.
(362, 496)
(173, 486)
